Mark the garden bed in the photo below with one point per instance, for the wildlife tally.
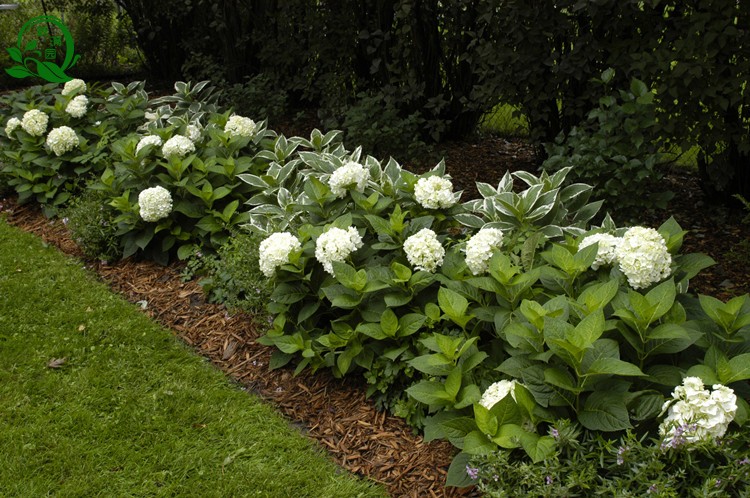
(336, 412)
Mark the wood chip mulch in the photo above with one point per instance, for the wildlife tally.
(335, 413)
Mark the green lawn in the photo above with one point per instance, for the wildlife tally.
(130, 411)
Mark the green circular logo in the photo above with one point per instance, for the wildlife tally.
(40, 41)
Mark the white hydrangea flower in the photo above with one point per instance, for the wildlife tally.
(238, 126)
(35, 122)
(178, 146)
(424, 251)
(605, 255)
(193, 132)
(155, 203)
(434, 192)
(336, 245)
(61, 140)
(11, 126)
(498, 391)
(643, 257)
(275, 250)
(74, 86)
(350, 175)
(154, 140)
(644, 234)
(480, 247)
(77, 106)
(695, 414)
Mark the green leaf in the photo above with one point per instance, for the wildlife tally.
(19, 72)
(454, 305)
(661, 298)
(453, 383)
(410, 324)
(506, 410)
(612, 366)
(457, 476)
(739, 367)
(15, 54)
(706, 374)
(560, 377)
(429, 393)
(209, 224)
(371, 330)
(342, 297)
(486, 421)
(401, 273)
(389, 323)
(598, 296)
(538, 448)
(432, 364)
(605, 411)
(349, 277)
(588, 331)
(52, 72)
(477, 443)
(468, 396)
(288, 294)
(289, 344)
(381, 226)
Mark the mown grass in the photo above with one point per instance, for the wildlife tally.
(130, 411)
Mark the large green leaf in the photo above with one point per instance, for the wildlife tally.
(588, 331)
(605, 411)
(429, 393)
(612, 366)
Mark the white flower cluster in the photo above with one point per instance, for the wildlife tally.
(434, 192)
(350, 175)
(424, 251)
(178, 146)
(496, 392)
(154, 140)
(61, 140)
(193, 132)
(11, 126)
(34, 122)
(605, 254)
(336, 245)
(480, 247)
(697, 415)
(77, 106)
(237, 126)
(275, 250)
(74, 86)
(641, 254)
(643, 257)
(155, 203)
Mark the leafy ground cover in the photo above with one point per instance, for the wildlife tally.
(96, 399)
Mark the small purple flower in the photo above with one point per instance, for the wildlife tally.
(554, 433)
(65, 221)
(472, 472)
(652, 489)
(745, 461)
(718, 483)
(549, 480)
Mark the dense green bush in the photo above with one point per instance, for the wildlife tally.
(616, 150)
(92, 226)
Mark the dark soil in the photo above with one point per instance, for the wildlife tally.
(334, 412)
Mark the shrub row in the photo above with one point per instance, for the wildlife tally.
(486, 323)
